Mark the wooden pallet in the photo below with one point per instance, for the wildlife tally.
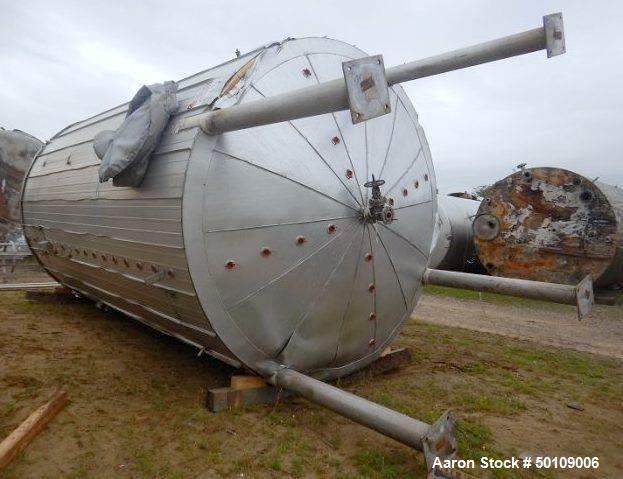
(247, 390)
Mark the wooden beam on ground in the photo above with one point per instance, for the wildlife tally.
(248, 390)
(247, 382)
(28, 430)
(243, 391)
(49, 285)
(61, 294)
(608, 300)
(389, 360)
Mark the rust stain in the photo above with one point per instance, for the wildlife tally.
(367, 83)
(555, 226)
(237, 77)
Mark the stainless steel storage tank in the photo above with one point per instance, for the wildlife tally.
(453, 241)
(257, 239)
(17, 150)
(553, 225)
(250, 244)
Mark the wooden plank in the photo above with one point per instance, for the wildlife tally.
(221, 399)
(28, 430)
(49, 285)
(216, 399)
(57, 295)
(247, 390)
(389, 360)
(247, 382)
(605, 299)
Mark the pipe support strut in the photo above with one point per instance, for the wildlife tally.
(435, 441)
(580, 295)
(332, 96)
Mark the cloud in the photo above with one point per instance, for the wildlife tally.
(105, 58)
(67, 60)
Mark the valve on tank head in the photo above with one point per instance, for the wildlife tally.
(378, 208)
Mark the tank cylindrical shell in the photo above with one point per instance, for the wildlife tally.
(453, 242)
(250, 244)
(553, 225)
(17, 149)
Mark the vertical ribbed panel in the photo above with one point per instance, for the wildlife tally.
(252, 244)
(121, 245)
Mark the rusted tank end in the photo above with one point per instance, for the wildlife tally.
(547, 224)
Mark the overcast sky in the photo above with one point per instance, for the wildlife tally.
(63, 61)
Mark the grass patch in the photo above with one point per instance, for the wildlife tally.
(137, 401)
(504, 405)
(473, 438)
(614, 312)
(376, 465)
(492, 298)
(8, 408)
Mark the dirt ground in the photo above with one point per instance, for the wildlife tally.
(137, 398)
(549, 324)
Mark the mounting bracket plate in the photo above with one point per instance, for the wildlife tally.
(368, 94)
(440, 442)
(584, 296)
(554, 34)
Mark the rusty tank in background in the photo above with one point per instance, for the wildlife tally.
(453, 242)
(17, 150)
(552, 225)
